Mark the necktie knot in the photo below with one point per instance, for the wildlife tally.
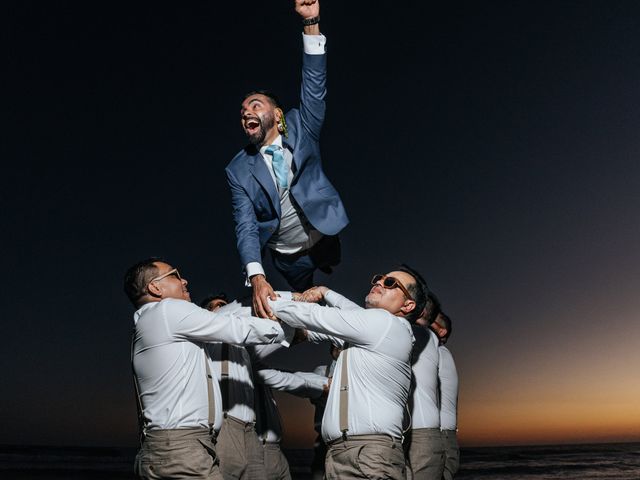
(271, 149)
(280, 167)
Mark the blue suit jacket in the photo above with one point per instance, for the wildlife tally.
(255, 199)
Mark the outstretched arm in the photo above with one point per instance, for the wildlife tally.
(356, 326)
(309, 10)
(228, 326)
(314, 69)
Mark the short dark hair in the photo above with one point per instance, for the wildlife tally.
(446, 323)
(432, 308)
(267, 93)
(138, 277)
(213, 296)
(418, 291)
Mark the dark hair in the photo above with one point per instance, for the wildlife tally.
(446, 323)
(270, 95)
(432, 308)
(138, 277)
(214, 296)
(418, 291)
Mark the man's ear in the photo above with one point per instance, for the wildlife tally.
(279, 114)
(439, 329)
(153, 290)
(408, 307)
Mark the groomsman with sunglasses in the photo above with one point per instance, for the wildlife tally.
(179, 403)
(363, 420)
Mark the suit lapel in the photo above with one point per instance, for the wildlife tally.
(261, 174)
(290, 141)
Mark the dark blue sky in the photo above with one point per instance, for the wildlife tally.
(492, 145)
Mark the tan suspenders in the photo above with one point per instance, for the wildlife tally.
(211, 398)
(344, 393)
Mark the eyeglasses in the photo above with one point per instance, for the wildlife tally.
(391, 282)
(166, 274)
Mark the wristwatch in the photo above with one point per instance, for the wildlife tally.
(310, 21)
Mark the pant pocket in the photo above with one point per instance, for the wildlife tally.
(382, 462)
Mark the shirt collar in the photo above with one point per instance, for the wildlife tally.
(140, 311)
(277, 142)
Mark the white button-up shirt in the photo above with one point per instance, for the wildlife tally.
(425, 401)
(239, 401)
(379, 370)
(169, 359)
(448, 376)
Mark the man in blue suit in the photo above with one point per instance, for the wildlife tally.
(282, 199)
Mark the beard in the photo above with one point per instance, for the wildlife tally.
(266, 123)
(369, 303)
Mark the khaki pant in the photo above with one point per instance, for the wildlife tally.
(451, 454)
(177, 454)
(425, 454)
(365, 456)
(240, 451)
(275, 463)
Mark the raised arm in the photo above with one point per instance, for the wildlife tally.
(357, 326)
(308, 385)
(227, 326)
(314, 69)
(332, 299)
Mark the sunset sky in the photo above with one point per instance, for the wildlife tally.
(492, 145)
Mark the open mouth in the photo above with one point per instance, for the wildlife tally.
(251, 125)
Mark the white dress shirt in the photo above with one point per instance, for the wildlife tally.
(448, 376)
(169, 359)
(294, 233)
(240, 382)
(378, 363)
(239, 401)
(425, 400)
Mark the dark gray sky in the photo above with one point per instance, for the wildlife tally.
(492, 145)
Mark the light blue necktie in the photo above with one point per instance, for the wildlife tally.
(280, 167)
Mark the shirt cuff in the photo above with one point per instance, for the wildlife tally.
(314, 44)
(253, 268)
(284, 295)
(289, 333)
(332, 298)
(316, 383)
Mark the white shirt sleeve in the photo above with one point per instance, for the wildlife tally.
(253, 268)
(334, 299)
(195, 323)
(358, 326)
(315, 337)
(314, 44)
(294, 383)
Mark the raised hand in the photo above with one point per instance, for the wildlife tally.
(308, 8)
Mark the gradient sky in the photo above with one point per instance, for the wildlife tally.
(492, 145)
